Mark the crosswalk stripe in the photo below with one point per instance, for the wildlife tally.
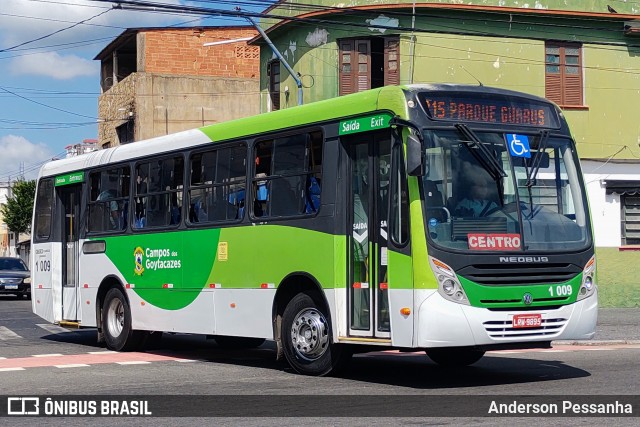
(48, 355)
(11, 369)
(7, 334)
(134, 362)
(53, 329)
(72, 365)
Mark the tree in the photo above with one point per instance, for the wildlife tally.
(19, 208)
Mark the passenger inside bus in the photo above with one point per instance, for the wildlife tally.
(141, 188)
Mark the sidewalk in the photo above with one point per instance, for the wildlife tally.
(615, 326)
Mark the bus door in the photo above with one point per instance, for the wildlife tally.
(69, 197)
(368, 207)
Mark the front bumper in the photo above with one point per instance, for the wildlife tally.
(15, 289)
(442, 323)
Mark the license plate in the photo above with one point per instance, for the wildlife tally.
(527, 320)
(8, 287)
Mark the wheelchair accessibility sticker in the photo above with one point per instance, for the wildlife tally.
(518, 145)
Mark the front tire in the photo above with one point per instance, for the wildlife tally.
(116, 323)
(307, 339)
(454, 357)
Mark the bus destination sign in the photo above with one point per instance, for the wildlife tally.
(483, 108)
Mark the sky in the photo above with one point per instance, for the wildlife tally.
(49, 81)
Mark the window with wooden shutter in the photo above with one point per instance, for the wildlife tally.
(391, 61)
(273, 71)
(563, 73)
(368, 63)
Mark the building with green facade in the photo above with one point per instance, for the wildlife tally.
(582, 54)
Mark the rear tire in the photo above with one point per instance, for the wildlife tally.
(116, 323)
(238, 342)
(454, 357)
(307, 338)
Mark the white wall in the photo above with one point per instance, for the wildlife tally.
(605, 208)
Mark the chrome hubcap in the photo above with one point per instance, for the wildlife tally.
(115, 318)
(310, 334)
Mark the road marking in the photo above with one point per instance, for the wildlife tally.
(186, 360)
(53, 329)
(86, 359)
(72, 365)
(8, 334)
(134, 362)
(48, 355)
(11, 369)
(103, 352)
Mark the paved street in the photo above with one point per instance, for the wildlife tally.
(43, 359)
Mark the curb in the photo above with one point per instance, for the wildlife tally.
(596, 342)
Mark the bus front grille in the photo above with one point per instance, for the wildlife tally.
(503, 329)
(520, 274)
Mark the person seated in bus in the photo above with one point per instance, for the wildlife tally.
(312, 195)
(141, 188)
(477, 202)
(114, 211)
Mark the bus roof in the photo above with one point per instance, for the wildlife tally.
(390, 98)
(387, 98)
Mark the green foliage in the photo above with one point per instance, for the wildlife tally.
(19, 208)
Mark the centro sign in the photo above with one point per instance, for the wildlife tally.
(494, 242)
(364, 124)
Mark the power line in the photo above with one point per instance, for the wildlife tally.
(55, 32)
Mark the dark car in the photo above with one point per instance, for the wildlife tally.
(15, 277)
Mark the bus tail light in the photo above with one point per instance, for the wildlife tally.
(448, 285)
(588, 285)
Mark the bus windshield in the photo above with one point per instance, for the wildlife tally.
(482, 195)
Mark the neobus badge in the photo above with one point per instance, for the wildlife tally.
(494, 242)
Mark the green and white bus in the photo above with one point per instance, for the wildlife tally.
(340, 226)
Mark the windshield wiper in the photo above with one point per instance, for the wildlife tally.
(537, 159)
(532, 172)
(482, 154)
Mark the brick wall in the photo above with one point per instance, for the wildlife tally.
(181, 52)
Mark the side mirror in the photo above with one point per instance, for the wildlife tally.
(416, 157)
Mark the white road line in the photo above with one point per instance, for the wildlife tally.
(8, 334)
(598, 349)
(186, 360)
(102, 352)
(134, 362)
(72, 365)
(11, 369)
(2, 358)
(53, 329)
(48, 355)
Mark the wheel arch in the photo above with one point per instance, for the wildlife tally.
(109, 282)
(293, 284)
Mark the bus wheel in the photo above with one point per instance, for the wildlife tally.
(306, 338)
(116, 323)
(238, 342)
(454, 357)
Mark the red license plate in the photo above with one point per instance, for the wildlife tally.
(527, 320)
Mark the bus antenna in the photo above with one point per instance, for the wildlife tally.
(474, 77)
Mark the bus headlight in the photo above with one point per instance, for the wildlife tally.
(588, 285)
(448, 285)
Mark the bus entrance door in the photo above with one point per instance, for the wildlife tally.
(369, 158)
(70, 200)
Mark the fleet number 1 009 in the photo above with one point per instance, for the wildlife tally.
(561, 290)
(43, 265)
